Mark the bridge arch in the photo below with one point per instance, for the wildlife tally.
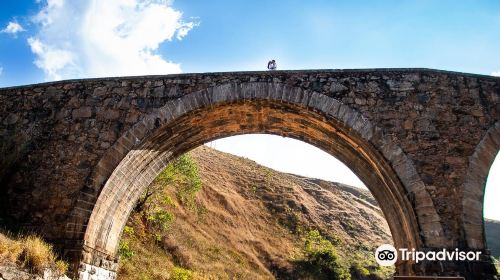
(475, 184)
(136, 158)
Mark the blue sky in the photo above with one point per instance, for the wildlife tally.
(44, 40)
(243, 35)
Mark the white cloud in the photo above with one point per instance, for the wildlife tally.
(497, 73)
(106, 38)
(53, 61)
(12, 28)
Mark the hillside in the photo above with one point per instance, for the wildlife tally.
(492, 228)
(218, 216)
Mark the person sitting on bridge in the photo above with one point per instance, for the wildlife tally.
(271, 65)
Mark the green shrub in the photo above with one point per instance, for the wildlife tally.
(128, 230)
(179, 273)
(124, 250)
(160, 219)
(359, 271)
(364, 267)
(167, 199)
(269, 175)
(320, 259)
(190, 182)
(183, 173)
(167, 176)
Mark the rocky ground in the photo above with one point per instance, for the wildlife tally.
(14, 272)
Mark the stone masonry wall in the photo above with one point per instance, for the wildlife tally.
(64, 128)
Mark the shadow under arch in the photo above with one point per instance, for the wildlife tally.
(141, 153)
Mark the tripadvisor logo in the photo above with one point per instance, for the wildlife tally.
(387, 255)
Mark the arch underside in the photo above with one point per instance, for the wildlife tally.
(475, 185)
(157, 141)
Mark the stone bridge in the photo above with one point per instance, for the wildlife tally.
(77, 154)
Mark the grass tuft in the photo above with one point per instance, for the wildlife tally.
(9, 249)
(30, 252)
(36, 255)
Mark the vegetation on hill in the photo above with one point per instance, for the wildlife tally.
(492, 229)
(211, 215)
(496, 261)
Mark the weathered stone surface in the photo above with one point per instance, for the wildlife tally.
(10, 119)
(14, 273)
(337, 87)
(410, 133)
(91, 272)
(80, 113)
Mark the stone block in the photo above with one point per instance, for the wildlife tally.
(81, 113)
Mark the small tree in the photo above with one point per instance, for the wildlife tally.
(183, 172)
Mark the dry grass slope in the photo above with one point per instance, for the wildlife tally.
(251, 222)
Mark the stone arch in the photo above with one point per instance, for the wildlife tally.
(240, 108)
(474, 187)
